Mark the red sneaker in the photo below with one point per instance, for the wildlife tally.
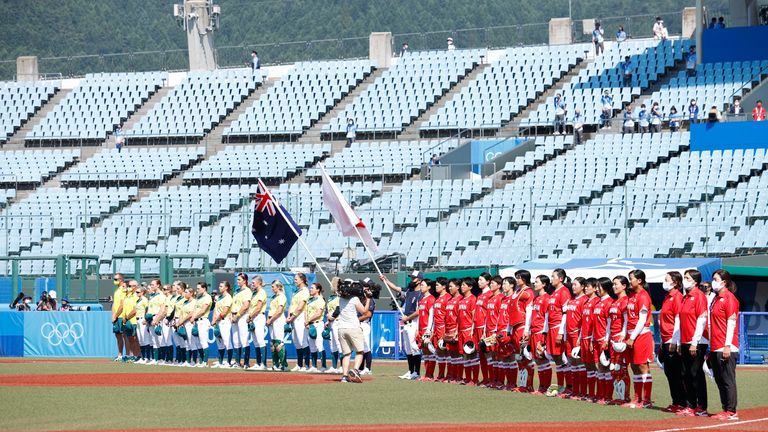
(685, 412)
(601, 402)
(646, 405)
(672, 408)
(539, 391)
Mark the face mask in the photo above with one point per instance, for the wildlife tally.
(717, 286)
(688, 285)
(667, 286)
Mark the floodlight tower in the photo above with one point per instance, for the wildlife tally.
(199, 18)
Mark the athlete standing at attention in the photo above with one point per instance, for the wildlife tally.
(203, 302)
(536, 335)
(573, 322)
(296, 318)
(241, 301)
(257, 322)
(640, 340)
(222, 326)
(520, 322)
(558, 302)
(276, 324)
(117, 310)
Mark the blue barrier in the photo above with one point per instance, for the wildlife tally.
(735, 44)
(720, 136)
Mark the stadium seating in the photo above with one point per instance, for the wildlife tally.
(300, 98)
(96, 106)
(504, 89)
(33, 166)
(18, 101)
(133, 165)
(406, 89)
(196, 105)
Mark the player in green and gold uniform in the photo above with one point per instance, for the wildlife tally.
(256, 323)
(202, 309)
(239, 317)
(145, 342)
(128, 317)
(276, 323)
(155, 317)
(297, 319)
(222, 326)
(117, 310)
(330, 308)
(184, 321)
(314, 324)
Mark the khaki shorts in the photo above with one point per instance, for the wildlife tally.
(351, 340)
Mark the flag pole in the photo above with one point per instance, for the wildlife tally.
(298, 237)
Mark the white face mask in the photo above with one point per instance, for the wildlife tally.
(688, 285)
(667, 286)
(717, 286)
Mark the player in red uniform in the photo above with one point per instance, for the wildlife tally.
(556, 333)
(481, 315)
(492, 307)
(693, 322)
(586, 352)
(669, 327)
(467, 332)
(438, 325)
(640, 340)
(600, 334)
(451, 337)
(520, 318)
(536, 335)
(617, 335)
(724, 336)
(573, 319)
(426, 322)
(504, 352)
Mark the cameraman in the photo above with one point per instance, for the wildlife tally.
(371, 292)
(44, 304)
(350, 330)
(410, 297)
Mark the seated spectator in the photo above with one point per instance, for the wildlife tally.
(721, 23)
(712, 23)
(434, 160)
(629, 122)
(736, 110)
(621, 35)
(627, 69)
(606, 100)
(656, 116)
(560, 112)
(659, 30)
(714, 115)
(598, 39)
(643, 119)
(690, 61)
(758, 113)
(693, 112)
(674, 119)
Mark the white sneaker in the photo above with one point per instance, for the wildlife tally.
(216, 365)
(152, 362)
(276, 368)
(406, 375)
(323, 370)
(160, 363)
(414, 376)
(201, 365)
(260, 367)
(296, 368)
(366, 371)
(312, 370)
(140, 361)
(303, 369)
(330, 371)
(255, 367)
(224, 366)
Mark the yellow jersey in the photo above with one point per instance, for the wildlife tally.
(260, 296)
(224, 303)
(203, 303)
(117, 299)
(129, 307)
(141, 306)
(277, 301)
(170, 306)
(156, 302)
(314, 305)
(331, 305)
(241, 297)
(297, 299)
(177, 305)
(187, 307)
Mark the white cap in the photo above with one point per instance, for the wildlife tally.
(52, 294)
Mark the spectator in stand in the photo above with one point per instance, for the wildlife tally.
(627, 70)
(659, 30)
(44, 303)
(119, 138)
(598, 38)
(434, 160)
(693, 112)
(606, 100)
(690, 62)
(714, 115)
(674, 119)
(621, 35)
(736, 110)
(451, 46)
(720, 23)
(758, 113)
(578, 126)
(643, 119)
(255, 63)
(65, 307)
(712, 24)
(52, 300)
(656, 116)
(25, 305)
(560, 112)
(404, 49)
(351, 131)
(629, 122)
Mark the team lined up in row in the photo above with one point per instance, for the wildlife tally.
(592, 329)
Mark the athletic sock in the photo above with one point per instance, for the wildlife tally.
(283, 360)
(229, 356)
(313, 357)
(637, 383)
(410, 362)
(335, 359)
(238, 355)
(221, 356)
(263, 355)
(647, 387)
(300, 357)
(417, 364)
(369, 360)
(323, 360)
(545, 375)
(440, 367)
(511, 373)
(484, 367)
(625, 378)
(590, 381)
(560, 374)
(306, 357)
(156, 354)
(430, 366)
(247, 358)
(258, 355)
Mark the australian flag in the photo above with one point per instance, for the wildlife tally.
(272, 227)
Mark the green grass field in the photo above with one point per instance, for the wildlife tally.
(383, 399)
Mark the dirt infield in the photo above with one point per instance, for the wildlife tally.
(752, 420)
(168, 378)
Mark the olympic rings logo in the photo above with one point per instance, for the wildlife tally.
(62, 333)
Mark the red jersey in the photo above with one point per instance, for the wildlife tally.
(600, 313)
(539, 313)
(575, 311)
(725, 306)
(467, 311)
(425, 307)
(493, 307)
(438, 316)
(481, 308)
(670, 310)
(616, 313)
(452, 314)
(586, 317)
(519, 301)
(557, 302)
(641, 300)
(692, 306)
(504, 305)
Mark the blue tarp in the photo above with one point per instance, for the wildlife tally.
(654, 268)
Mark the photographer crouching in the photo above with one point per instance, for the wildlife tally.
(352, 303)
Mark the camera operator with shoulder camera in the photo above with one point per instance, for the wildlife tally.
(352, 303)
(410, 321)
(371, 292)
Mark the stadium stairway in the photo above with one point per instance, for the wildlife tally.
(314, 133)
(16, 141)
(413, 130)
(513, 129)
(154, 98)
